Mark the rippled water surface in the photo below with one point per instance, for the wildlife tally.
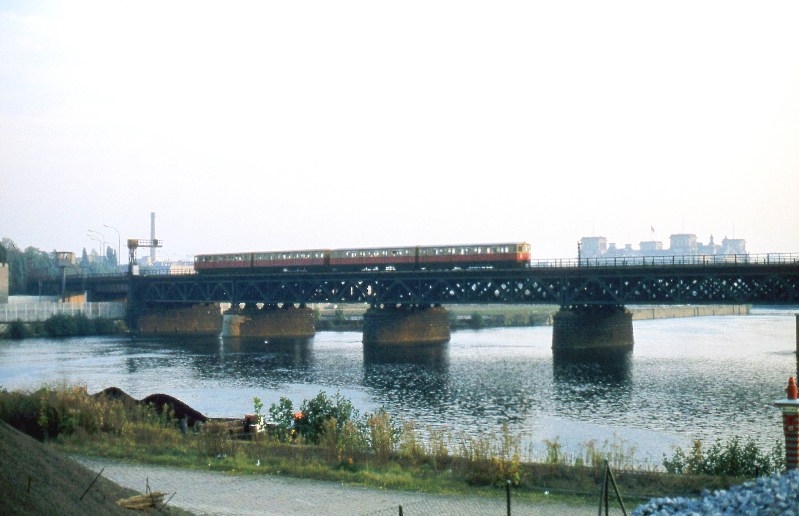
(699, 377)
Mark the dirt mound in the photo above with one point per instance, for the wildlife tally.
(37, 480)
(115, 393)
(180, 409)
(158, 401)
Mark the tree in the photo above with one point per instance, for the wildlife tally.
(111, 257)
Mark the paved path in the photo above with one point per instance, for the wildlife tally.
(217, 493)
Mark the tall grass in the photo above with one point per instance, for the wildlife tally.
(332, 441)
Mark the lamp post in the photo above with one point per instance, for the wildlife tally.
(102, 237)
(101, 242)
(119, 244)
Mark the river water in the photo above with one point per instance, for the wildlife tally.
(691, 378)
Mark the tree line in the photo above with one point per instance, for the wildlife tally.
(31, 263)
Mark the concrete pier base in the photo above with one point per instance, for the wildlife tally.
(192, 320)
(592, 332)
(269, 322)
(405, 325)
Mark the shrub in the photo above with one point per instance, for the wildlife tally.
(438, 446)
(382, 436)
(17, 330)
(61, 325)
(410, 447)
(731, 458)
(320, 409)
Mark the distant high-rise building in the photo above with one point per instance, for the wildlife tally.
(594, 246)
(733, 246)
(680, 244)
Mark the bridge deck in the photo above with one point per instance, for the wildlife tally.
(773, 279)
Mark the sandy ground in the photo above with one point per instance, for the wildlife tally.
(217, 493)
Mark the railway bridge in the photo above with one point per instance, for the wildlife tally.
(408, 306)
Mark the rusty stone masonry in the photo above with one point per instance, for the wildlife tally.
(269, 322)
(406, 325)
(194, 320)
(592, 330)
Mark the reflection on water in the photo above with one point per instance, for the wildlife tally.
(613, 371)
(435, 356)
(416, 376)
(701, 377)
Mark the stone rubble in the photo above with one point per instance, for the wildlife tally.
(777, 494)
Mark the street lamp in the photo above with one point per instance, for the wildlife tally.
(119, 244)
(98, 240)
(102, 237)
(101, 242)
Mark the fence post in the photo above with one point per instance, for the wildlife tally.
(603, 493)
(507, 492)
(790, 424)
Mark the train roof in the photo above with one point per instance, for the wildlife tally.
(378, 248)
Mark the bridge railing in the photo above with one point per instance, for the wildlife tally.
(693, 259)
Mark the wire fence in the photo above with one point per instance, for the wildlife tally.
(32, 312)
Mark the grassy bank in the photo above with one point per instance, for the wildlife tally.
(326, 439)
(61, 325)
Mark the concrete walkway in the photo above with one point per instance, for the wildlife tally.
(217, 493)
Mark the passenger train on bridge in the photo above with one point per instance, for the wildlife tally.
(449, 257)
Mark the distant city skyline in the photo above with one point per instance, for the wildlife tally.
(270, 126)
(679, 244)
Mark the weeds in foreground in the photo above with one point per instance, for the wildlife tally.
(327, 439)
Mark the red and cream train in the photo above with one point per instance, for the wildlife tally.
(510, 255)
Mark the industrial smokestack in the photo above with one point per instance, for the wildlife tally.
(152, 237)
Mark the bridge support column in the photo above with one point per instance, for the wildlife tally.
(403, 325)
(269, 322)
(591, 331)
(205, 319)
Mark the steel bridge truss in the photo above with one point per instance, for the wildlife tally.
(572, 286)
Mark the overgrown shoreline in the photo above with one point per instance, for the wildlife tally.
(63, 325)
(326, 439)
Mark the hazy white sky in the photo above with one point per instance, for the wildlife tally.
(282, 125)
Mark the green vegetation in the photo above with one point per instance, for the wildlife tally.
(32, 263)
(62, 325)
(327, 439)
(731, 458)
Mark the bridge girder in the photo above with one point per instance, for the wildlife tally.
(558, 286)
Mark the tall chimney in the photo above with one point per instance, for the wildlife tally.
(152, 237)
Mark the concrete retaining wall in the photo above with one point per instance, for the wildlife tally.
(666, 312)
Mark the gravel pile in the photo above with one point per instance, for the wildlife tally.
(777, 494)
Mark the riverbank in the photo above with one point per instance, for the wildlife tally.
(473, 317)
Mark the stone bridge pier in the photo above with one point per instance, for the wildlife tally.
(201, 319)
(405, 325)
(592, 331)
(284, 321)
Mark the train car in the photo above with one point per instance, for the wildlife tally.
(375, 259)
(382, 258)
(222, 262)
(474, 256)
(310, 259)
